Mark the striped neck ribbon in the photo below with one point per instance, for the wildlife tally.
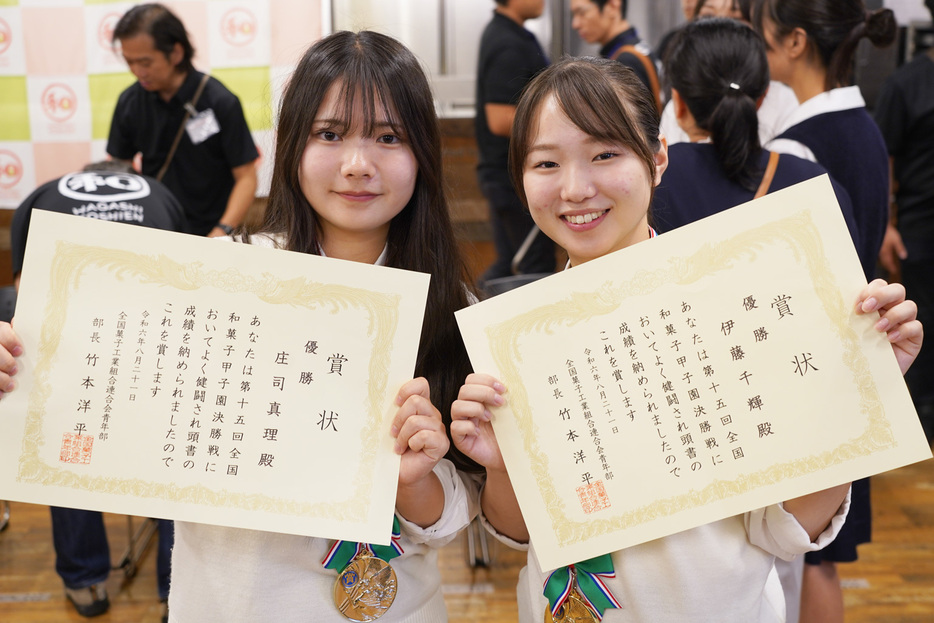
(588, 577)
(342, 552)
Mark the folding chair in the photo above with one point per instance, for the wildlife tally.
(478, 547)
(140, 539)
(517, 279)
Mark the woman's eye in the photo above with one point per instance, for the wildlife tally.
(605, 155)
(389, 139)
(545, 164)
(328, 135)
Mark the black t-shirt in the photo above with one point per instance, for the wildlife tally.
(104, 195)
(905, 114)
(199, 175)
(510, 56)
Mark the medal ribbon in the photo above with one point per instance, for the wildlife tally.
(342, 552)
(589, 574)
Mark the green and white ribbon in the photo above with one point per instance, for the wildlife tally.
(588, 577)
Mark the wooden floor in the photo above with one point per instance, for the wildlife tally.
(893, 581)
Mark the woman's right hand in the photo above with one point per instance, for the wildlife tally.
(10, 348)
(471, 430)
(473, 435)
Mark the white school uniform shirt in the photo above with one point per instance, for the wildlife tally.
(721, 572)
(232, 575)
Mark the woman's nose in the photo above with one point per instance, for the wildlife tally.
(358, 161)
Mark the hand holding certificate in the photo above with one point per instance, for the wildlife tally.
(713, 370)
(226, 383)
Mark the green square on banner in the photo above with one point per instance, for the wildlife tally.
(252, 86)
(104, 89)
(9, 2)
(14, 109)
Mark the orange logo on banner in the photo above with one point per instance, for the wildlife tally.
(59, 102)
(105, 30)
(11, 169)
(6, 36)
(238, 27)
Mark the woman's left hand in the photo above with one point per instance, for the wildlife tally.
(419, 432)
(899, 318)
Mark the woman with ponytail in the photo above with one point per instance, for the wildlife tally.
(811, 45)
(719, 76)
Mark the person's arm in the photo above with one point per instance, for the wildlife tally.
(893, 248)
(814, 511)
(241, 197)
(499, 118)
(899, 322)
(501, 508)
(473, 435)
(421, 440)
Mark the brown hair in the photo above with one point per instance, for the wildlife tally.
(602, 97)
(384, 74)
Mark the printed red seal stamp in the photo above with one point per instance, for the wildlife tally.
(593, 497)
(76, 448)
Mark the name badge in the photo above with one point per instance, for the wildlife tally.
(202, 125)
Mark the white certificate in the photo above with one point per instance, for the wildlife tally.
(710, 371)
(173, 376)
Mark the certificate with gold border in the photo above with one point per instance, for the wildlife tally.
(710, 371)
(173, 376)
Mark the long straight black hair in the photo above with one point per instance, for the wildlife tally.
(383, 76)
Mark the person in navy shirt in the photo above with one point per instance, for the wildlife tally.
(719, 76)
(811, 44)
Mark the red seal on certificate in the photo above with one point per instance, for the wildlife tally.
(593, 497)
(76, 448)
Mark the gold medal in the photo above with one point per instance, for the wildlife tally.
(366, 588)
(573, 610)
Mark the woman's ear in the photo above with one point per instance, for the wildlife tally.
(683, 116)
(661, 159)
(796, 43)
(678, 104)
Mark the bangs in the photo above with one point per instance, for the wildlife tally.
(360, 85)
(600, 113)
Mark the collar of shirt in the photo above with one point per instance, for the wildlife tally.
(380, 261)
(627, 37)
(834, 100)
(184, 93)
(522, 29)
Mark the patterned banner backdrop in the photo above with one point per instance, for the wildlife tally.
(60, 77)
